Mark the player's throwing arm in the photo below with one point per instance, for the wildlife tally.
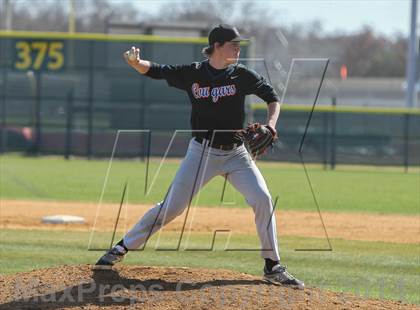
(132, 57)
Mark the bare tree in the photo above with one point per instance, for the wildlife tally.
(368, 54)
(210, 12)
(52, 15)
(93, 15)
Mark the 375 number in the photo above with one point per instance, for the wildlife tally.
(36, 54)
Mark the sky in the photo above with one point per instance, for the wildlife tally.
(384, 16)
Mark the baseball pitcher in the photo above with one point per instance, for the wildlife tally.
(217, 88)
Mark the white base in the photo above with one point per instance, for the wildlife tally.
(63, 219)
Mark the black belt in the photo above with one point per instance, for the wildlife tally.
(223, 147)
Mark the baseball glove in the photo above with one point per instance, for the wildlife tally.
(257, 138)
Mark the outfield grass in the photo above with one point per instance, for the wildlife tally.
(351, 190)
(372, 269)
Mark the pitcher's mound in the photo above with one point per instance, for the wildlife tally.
(135, 287)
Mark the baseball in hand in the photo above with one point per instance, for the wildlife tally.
(132, 56)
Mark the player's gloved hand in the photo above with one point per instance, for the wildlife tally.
(258, 139)
(132, 56)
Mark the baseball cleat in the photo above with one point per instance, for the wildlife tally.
(279, 275)
(110, 258)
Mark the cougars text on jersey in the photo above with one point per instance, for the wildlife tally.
(215, 92)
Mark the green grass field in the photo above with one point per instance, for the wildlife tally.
(377, 270)
(344, 190)
(373, 269)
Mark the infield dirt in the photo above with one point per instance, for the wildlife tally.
(138, 287)
(16, 214)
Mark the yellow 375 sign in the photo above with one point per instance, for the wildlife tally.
(37, 55)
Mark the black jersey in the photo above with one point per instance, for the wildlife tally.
(217, 96)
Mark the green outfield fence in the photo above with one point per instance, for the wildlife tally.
(68, 94)
(346, 135)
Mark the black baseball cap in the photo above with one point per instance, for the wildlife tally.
(225, 33)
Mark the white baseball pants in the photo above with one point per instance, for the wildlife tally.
(241, 172)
